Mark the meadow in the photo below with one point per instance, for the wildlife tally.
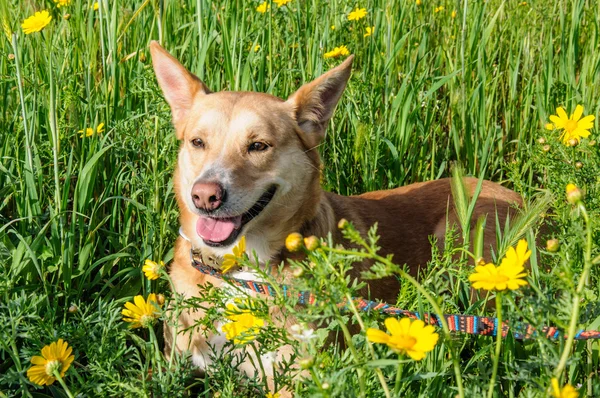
(438, 88)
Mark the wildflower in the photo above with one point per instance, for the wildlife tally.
(453, 15)
(141, 313)
(357, 14)
(332, 27)
(302, 333)
(306, 363)
(231, 260)
(439, 9)
(552, 245)
(549, 126)
(523, 3)
(509, 275)
(568, 391)
(36, 22)
(95, 6)
(311, 243)
(369, 31)
(575, 126)
(343, 223)
(273, 395)
(574, 194)
(90, 131)
(56, 357)
(244, 326)
(282, 2)
(293, 242)
(336, 52)
(263, 7)
(418, 2)
(256, 48)
(407, 337)
(62, 3)
(152, 269)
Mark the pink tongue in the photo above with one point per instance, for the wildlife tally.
(217, 230)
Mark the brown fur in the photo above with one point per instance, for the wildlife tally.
(229, 121)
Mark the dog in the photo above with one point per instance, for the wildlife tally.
(248, 166)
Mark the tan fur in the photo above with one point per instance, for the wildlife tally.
(229, 121)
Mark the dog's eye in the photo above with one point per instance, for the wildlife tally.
(198, 143)
(257, 147)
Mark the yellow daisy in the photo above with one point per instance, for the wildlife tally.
(263, 7)
(369, 31)
(337, 52)
(509, 275)
(141, 313)
(272, 395)
(56, 357)
(439, 9)
(568, 391)
(62, 3)
(244, 326)
(407, 337)
(36, 22)
(357, 14)
(90, 131)
(231, 260)
(152, 269)
(575, 127)
(282, 2)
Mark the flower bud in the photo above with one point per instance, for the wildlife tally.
(66, 17)
(574, 194)
(573, 142)
(142, 57)
(11, 57)
(579, 165)
(549, 126)
(293, 242)
(160, 299)
(541, 140)
(546, 148)
(552, 245)
(325, 386)
(592, 143)
(343, 223)
(298, 272)
(307, 363)
(311, 243)
(73, 309)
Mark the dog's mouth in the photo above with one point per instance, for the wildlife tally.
(223, 231)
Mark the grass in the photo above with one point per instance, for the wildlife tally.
(79, 215)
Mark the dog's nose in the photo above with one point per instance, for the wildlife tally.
(208, 195)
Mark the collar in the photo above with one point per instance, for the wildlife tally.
(198, 259)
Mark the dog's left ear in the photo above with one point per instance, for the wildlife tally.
(314, 102)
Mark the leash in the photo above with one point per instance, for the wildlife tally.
(470, 324)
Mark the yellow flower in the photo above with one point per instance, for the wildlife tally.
(141, 313)
(453, 15)
(244, 326)
(152, 269)
(256, 48)
(62, 3)
(231, 260)
(281, 2)
(332, 27)
(574, 127)
(90, 131)
(510, 273)
(418, 2)
(438, 9)
(574, 194)
(273, 395)
(369, 31)
(568, 391)
(549, 126)
(56, 357)
(36, 22)
(336, 52)
(263, 7)
(407, 337)
(357, 14)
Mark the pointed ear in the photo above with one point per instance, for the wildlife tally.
(314, 102)
(179, 86)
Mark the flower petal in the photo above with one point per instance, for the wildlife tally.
(377, 336)
(577, 114)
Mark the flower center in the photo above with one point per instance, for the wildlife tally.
(53, 366)
(146, 320)
(403, 342)
(571, 125)
(501, 278)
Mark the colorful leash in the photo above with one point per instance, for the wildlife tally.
(471, 324)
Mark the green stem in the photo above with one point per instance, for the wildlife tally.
(348, 337)
(156, 356)
(577, 296)
(398, 377)
(421, 289)
(62, 383)
(260, 365)
(498, 345)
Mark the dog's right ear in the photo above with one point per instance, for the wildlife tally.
(179, 86)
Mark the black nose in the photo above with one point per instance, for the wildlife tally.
(208, 196)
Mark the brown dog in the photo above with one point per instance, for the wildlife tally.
(248, 166)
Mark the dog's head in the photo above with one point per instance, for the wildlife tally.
(248, 163)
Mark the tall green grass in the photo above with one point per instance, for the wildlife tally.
(78, 215)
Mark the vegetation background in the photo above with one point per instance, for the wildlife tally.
(435, 82)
